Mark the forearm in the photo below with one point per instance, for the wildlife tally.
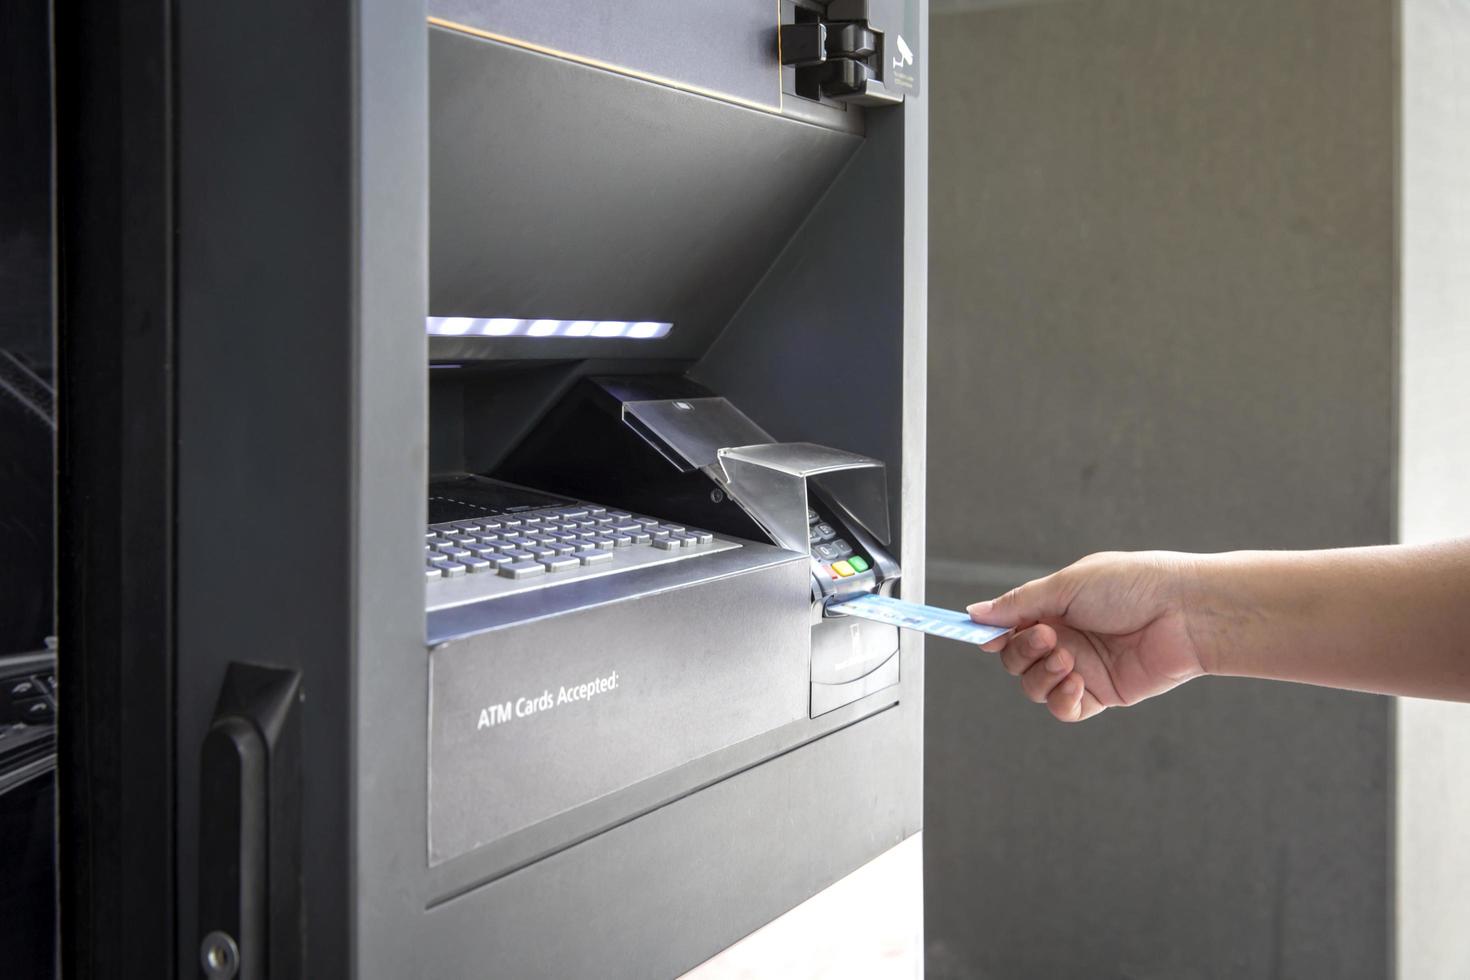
(1394, 620)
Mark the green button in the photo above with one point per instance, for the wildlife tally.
(857, 563)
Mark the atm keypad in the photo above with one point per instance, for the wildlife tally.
(833, 555)
(548, 540)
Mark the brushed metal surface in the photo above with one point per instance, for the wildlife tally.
(460, 621)
(676, 675)
(845, 649)
(830, 697)
(443, 592)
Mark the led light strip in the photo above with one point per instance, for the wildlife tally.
(464, 326)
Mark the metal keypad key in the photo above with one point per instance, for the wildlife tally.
(545, 545)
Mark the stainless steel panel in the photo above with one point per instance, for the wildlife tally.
(531, 720)
(522, 605)
(830, 697)
(846, 649)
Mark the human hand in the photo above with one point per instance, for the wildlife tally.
(1107, 631)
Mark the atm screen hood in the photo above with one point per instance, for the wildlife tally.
(559, 189)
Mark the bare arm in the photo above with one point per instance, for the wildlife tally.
(1394, 620)
(1114, 629)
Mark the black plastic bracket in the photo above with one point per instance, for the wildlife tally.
(803, 45)
(839, 57)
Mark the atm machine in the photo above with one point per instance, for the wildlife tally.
(477, 406)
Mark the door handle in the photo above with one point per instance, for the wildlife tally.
(250, 828)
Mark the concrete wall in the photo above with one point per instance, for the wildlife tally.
(1433, 740)
(1163, 305)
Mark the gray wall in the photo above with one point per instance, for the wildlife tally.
(1163, 300)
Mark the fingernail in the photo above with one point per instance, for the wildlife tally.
(979, 608)
(1054, 663)
(1038, 642)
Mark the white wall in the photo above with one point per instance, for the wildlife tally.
(1433, 744)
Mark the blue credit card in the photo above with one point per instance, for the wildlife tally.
(912, 616)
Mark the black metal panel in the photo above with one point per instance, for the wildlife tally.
(272, 333)
(656, 896)
(582, 448)
(28, 868)
(300, 466)
(561, 191)
(833, 306)
(819, 797)
(25, 183)
(115, 487)
(726, 47)
(27, 543)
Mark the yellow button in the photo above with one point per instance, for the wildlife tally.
(842, 568)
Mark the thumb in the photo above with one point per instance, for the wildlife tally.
(1042, 598)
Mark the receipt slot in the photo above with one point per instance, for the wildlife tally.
(526, 386)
